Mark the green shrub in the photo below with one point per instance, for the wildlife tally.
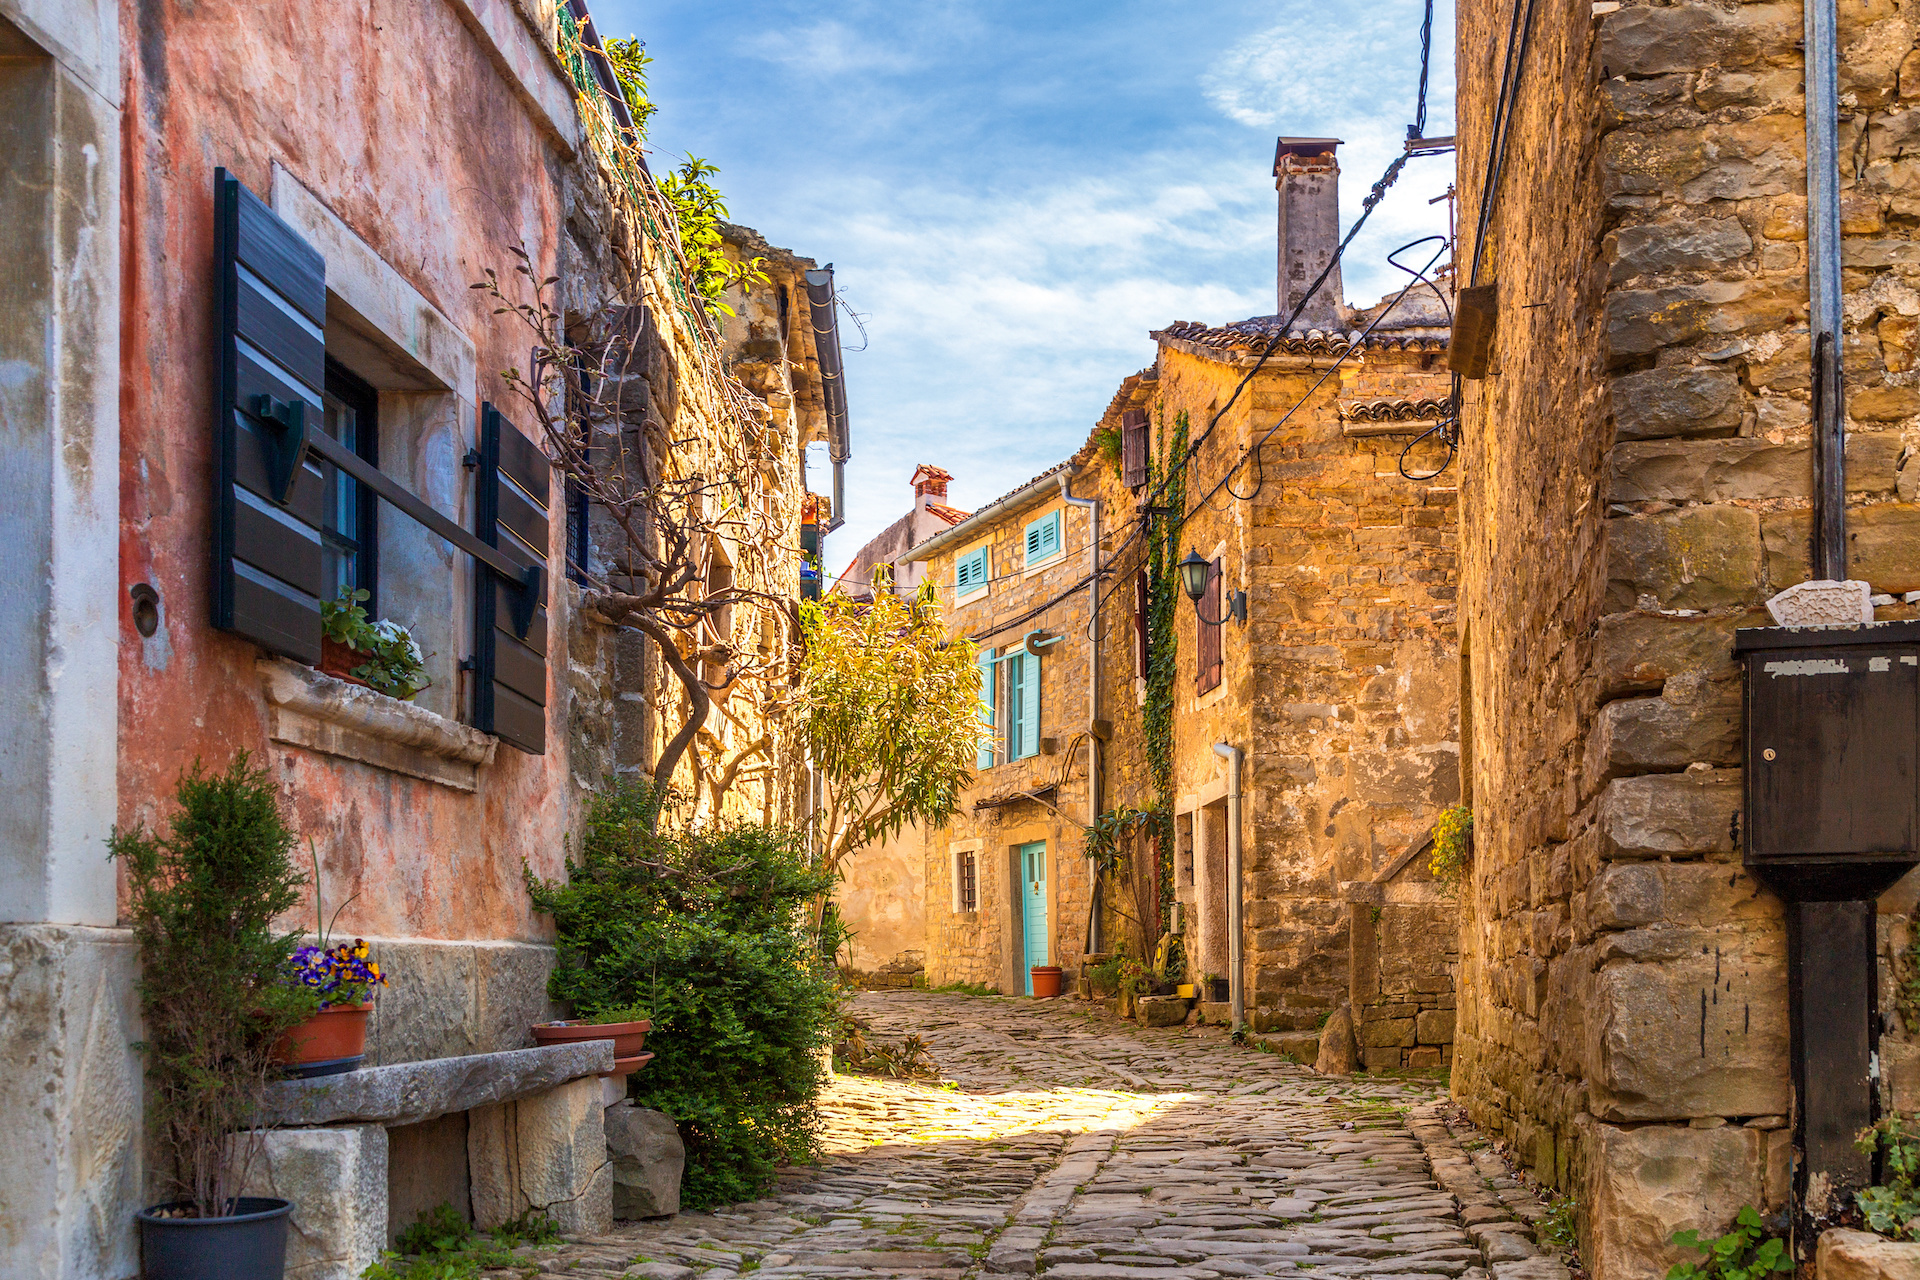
(705, 929)
(1745, 1253)
(214, 986)
(1893, 1207)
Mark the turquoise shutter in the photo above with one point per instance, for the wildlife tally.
(970, 573)
(1027, 694)
(985, 758)
(1043, 537)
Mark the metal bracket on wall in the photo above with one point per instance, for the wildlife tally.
(286, 442)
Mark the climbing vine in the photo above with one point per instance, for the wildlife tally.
(1167, 478)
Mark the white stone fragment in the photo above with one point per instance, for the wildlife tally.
(1823, 603)
(1879, 600)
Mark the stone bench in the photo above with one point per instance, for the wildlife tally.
(361, 1154)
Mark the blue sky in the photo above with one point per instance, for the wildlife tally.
(1013, 194)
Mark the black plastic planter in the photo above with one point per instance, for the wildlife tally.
(250, 1245)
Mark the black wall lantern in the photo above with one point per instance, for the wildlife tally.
(1193, 577)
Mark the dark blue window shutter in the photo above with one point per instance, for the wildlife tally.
(509, 625)
(269, 499)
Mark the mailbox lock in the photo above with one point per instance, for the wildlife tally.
(1767, 754)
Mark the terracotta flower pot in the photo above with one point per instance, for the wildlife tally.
(1046, 981)
(339, 660)
(624, 1067)
(629, 1038)
(332, 1041)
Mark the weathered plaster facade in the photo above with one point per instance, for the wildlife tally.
(456, 138)
(1636, 484)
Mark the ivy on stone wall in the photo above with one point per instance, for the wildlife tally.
(1167, 481)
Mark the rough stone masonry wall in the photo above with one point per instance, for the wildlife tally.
(1344, 681)
(981, 946)
(1635, 481)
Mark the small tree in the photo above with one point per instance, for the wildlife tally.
(214, 989)
(891, 716)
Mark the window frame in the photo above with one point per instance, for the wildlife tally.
(357, 394)
(1055, 518)
(982, 556)
(966, 881)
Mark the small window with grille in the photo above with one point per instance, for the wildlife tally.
(966, 881)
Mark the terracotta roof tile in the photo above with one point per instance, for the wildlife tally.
(1254, 336)
(952, 515)
(1394, 410)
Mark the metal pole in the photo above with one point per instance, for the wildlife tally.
(1823, 291)
(1236, 944)
(1092, 507)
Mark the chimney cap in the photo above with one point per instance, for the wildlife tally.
(1303, 147)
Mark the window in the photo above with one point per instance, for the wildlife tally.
(1207, 642)
(970, 575)
(1043, 538)
(966, 881)
(1023, 705)
(350, 535)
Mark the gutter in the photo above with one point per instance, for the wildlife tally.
(1092, 507)
(1033, 494)
(1236, 944)
(833, 385)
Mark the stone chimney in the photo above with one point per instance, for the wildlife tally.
(929, 482)
(1308, 179)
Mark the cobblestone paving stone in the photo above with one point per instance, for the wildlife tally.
(1077, 1146)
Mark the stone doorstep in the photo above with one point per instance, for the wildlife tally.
(412, 1092)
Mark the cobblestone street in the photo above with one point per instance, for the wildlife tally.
(1064, 1141)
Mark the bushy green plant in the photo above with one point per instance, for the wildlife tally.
(1747, 1252)
(705, 927)
(214, 989)
(699, 209)
(1893, 1207)
(442, 1245)
(394, 664)
(1560, 1229)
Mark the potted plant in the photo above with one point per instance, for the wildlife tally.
(334, 1039)
(626, 1026)
(382, 656)
(214, 999)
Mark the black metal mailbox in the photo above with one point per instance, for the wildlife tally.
(1832, 819)
(1832, 757)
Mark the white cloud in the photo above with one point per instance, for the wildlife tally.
(828, 49)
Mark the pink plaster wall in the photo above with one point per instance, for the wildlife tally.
(392, 114)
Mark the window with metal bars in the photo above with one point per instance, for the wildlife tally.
(966, 881)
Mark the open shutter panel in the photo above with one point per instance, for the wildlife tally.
(1043, 537)
(1141, 599)
(987, 670)
(1029, 694)
(269, 500)
(1133, 448)
(1208, 639)
(509, 638)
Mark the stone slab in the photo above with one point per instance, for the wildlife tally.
(1860, 1255)
(1822, 603)
(648, 1159)
(337, 1181)
(547, 1153)
(410, 1092)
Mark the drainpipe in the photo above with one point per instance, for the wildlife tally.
(1092, 508)
(1236, 945)
(1823, 292)
(833, 384)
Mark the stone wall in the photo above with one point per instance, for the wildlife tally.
(1636, 479)
(997, 812)
(1342, 685)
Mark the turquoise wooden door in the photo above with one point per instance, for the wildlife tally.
(1033, 908)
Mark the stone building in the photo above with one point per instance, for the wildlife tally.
(1636, 484)
(1336, 674)
(887, 550)
(1006, 880)
(213, 234)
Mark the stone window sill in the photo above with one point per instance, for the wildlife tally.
(315, 711)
